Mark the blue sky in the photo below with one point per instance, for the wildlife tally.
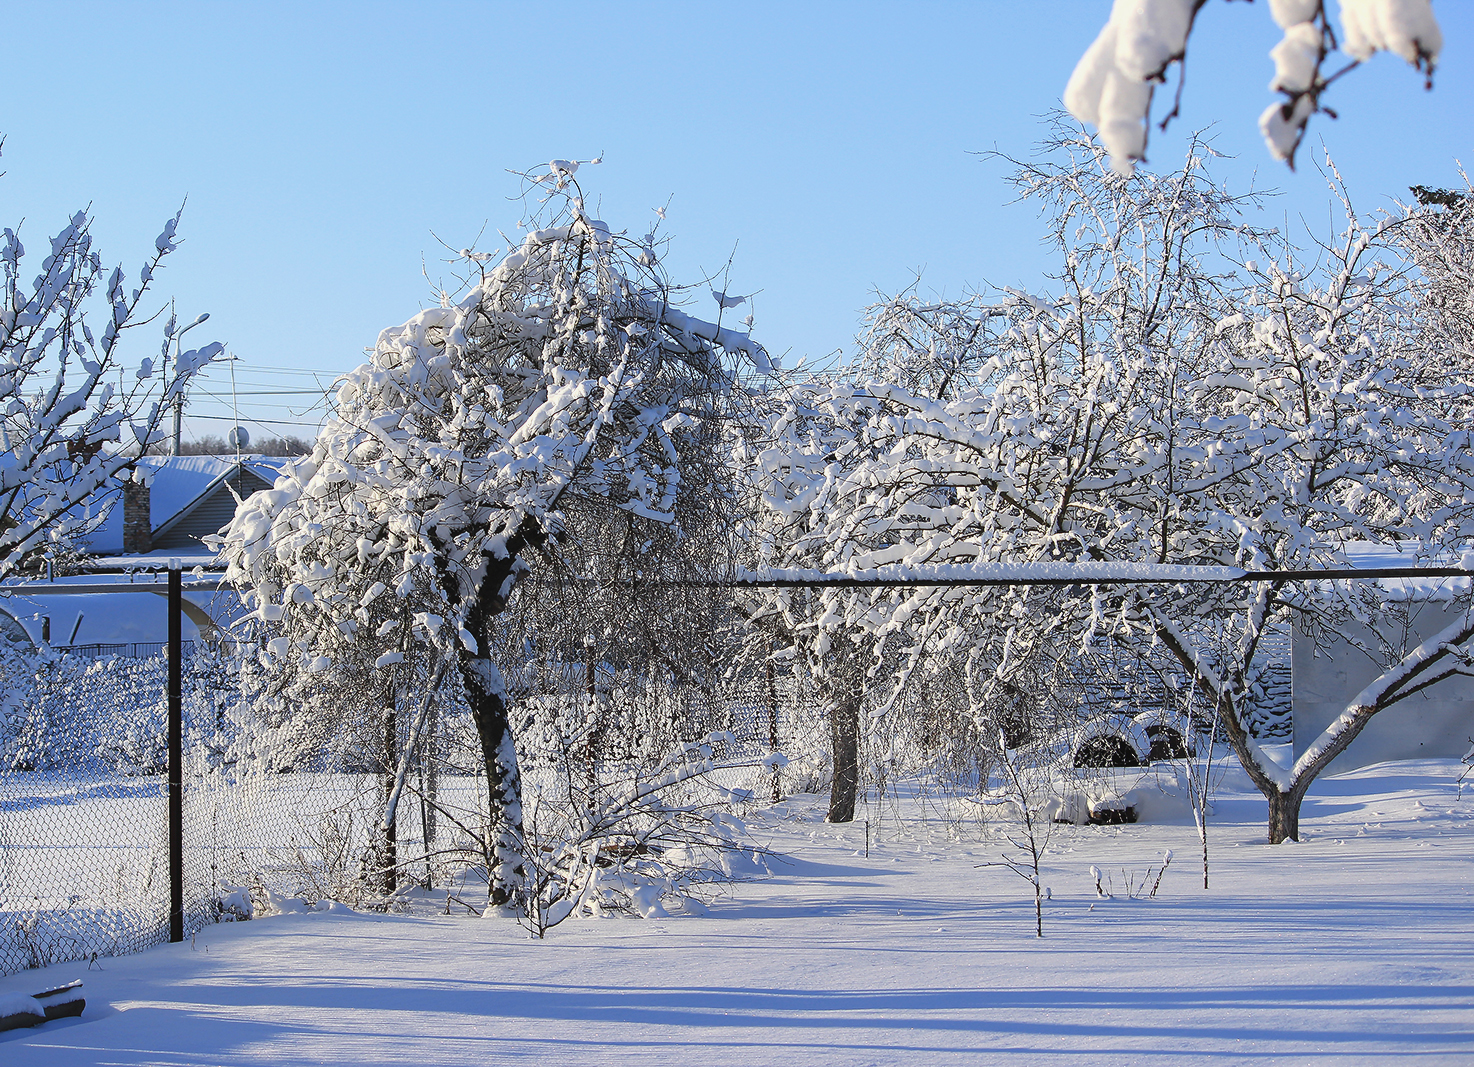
(833, 146)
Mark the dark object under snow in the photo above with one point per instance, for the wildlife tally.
(1107, 750)
(59, 1003)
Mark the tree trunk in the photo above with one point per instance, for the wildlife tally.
(486, 695)
(773, 729)
(389, 844)
(591, 748)
(844, 734)
(1284, 815)
(429, 775)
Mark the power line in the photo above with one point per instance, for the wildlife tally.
(278, 371)
(273, 422)
(321, 397)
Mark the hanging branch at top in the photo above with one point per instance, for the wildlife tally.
(1113, 84)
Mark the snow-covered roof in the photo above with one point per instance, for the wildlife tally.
(175, 483)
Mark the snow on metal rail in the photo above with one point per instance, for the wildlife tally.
(154, 577)
(1060, 573)
(950, 575)
(63, 588)
(946, 575)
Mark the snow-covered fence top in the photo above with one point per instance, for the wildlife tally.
(1069, 573)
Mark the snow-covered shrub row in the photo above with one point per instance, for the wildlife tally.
(83, 747)
(80, 715)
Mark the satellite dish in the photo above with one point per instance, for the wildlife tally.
(238, 438)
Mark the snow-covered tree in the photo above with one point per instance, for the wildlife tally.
(565, 374)
(985, 433)
(1113, 84)
(76, 412)
(1438, 240)
(1164, 405)
(1349, 410)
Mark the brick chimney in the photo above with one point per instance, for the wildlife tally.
(137, 523)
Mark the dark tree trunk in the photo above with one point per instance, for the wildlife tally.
(1284, 815)
(844, 735)
(486, 696)
(389, 845)
(773, 729)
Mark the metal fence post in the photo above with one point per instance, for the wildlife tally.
(176, 758)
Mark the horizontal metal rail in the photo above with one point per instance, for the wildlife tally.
(1209, 574)
(844, 581)
(199, 585)
(1206, 574)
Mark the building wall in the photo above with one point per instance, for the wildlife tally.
(1438, 722)
(209, 515)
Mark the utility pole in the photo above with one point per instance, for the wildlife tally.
(179, 400)
(176, 757)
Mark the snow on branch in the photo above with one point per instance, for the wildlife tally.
(1113, 83)
(72, 420)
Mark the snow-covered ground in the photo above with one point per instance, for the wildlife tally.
(1354, 946)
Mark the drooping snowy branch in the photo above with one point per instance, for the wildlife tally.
(1113, 84)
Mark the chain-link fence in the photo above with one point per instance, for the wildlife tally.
(293, 806)
(278, 810)
(83, 803)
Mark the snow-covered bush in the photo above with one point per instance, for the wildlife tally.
(639, 839)
(65, 713)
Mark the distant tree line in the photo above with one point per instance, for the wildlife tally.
(214, 445)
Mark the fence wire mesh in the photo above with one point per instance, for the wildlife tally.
(82, 808)
(293, 806)
(282, 810)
